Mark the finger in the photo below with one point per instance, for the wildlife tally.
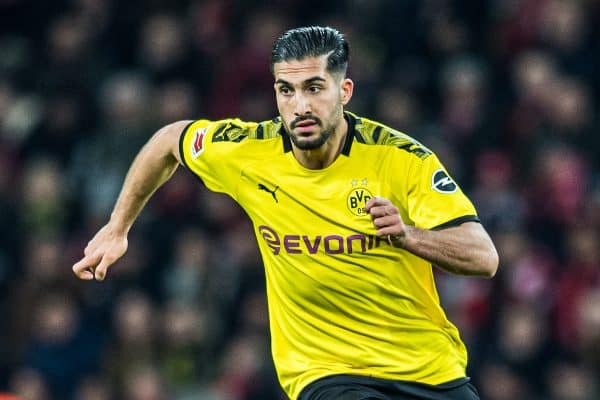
(387, 230)
(388, 220)
(377, 211)
(86, 275)
(375, 202)
(102, 268)
(87, 262)
(84, 267)
(380, 211)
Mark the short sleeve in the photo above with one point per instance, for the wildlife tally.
(434, 199)
(208, 156)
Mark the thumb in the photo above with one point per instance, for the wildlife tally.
(102, 268)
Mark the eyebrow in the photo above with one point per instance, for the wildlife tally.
(305, 82)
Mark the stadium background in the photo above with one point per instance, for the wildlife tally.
(505, 91)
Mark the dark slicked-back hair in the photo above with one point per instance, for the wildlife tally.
(312, 41)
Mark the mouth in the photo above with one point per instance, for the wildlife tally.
(306, 125)
(306, 122)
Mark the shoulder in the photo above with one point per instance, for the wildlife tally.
(228, 140)
(233, 130)
(371, 132)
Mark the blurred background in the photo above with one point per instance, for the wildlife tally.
(505, 91)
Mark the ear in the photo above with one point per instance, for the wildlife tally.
(347, 88)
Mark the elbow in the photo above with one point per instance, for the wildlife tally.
(490, 262)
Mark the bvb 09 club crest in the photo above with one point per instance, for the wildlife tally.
(357, 199)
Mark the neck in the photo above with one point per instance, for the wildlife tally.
(325, 155)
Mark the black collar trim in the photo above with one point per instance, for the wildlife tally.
(350, 135)
(287, 143)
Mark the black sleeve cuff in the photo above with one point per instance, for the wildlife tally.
(456, 222)
(181, 138)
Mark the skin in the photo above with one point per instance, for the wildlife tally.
(307, 93)
(310, 101)
(463, 250)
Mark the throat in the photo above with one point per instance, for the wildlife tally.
(322, 157)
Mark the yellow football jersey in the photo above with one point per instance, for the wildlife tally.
(340, 299)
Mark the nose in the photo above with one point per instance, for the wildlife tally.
(302, 104)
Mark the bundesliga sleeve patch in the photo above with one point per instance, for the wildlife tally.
(198, 142)
(441, 182)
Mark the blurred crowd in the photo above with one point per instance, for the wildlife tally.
(505, 91)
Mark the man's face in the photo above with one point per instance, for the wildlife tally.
(310, 100)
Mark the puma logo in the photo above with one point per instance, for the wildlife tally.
(266, 189)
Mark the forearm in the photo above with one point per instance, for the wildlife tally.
(463, 250)
(151, 168)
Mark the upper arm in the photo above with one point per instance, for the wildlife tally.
(169, 137)
(470, 229)
(480, 245)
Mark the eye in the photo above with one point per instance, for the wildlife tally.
(285, 90)
(314, 89)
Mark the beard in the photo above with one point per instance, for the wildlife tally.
(314, 144)
(324, 135)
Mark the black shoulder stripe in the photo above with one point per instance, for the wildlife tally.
(406, 146)
(359, 137)
(456, 222)
(414, 148)
(260, 131)
(218, 131)
(376, 134)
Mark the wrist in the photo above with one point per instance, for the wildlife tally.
(117, 226)
(401, 240)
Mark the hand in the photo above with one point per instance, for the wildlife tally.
(387, 220)
(100, 253)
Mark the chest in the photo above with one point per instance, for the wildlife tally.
(328, 200)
